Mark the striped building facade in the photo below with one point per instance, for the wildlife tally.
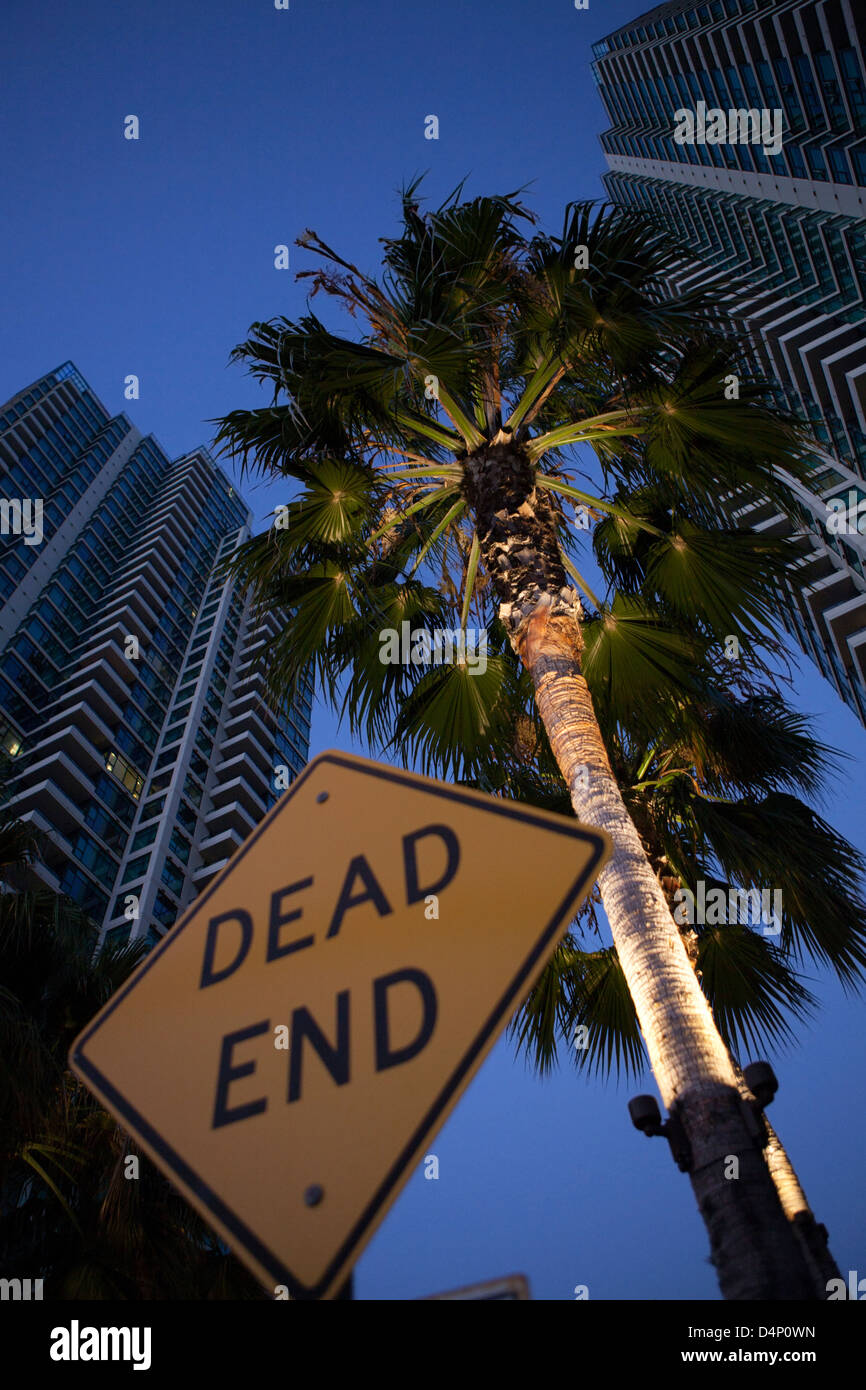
(132, 701)
(779, 234)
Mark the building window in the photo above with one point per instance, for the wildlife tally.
(100, 864)
(816, 164)
(199, 766)
(204, 743)
(78, 886)
(853, 80)
(117, 936)
(838, 166)
(173, 876)
(209, 721)
(145, 837)
(104, 825)
(796, 161)
(180, 845)
(125, 773)
(192, 789)
(10, 741)
(136, 868)
(159, 783)
(164, 910)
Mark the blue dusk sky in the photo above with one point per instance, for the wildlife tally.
(153, 257)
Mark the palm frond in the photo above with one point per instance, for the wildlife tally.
(633, 661)
(753, 992)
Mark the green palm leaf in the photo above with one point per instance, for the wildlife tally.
(451, 714)
(778, 843)
(752, 990)
(582, 998)
(633, 659)
(724, 579)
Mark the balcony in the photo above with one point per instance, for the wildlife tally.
(67, 743)
(844, 620)
(59, 772)
(239, 766)
(231, 816)
(102, 696)
(248, 744)
(107, 656)
(256, 716)
(239, 789)
(203, 876)
(46, 798)
(219, 847)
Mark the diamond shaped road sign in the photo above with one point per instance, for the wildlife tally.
(287, 1051)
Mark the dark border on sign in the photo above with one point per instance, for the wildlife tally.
(191, 1180)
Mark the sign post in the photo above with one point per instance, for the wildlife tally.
(287, 1051)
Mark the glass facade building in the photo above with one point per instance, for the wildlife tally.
(132, 700)
(780, 238)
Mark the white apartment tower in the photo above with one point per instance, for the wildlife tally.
(132, 699)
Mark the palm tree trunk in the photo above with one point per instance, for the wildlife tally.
(752, 1244)
(811, 1236)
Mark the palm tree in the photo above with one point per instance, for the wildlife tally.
(719, 804)
(445, 436)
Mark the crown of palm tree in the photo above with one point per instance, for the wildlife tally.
(481, 337)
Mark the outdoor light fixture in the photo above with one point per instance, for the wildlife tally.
(646, 1116)
(761, 1081)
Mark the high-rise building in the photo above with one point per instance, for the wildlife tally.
(132, 699)
(778, 228)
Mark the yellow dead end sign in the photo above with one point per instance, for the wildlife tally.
(287, 1051)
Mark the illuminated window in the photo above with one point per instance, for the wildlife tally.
(10, 741)
(125, 773)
